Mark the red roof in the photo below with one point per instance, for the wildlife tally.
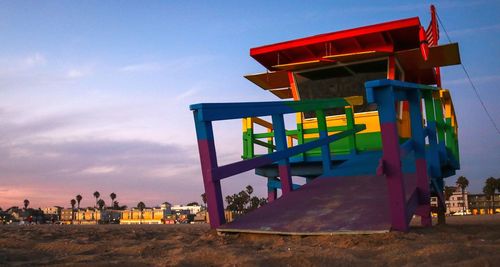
(386, 37)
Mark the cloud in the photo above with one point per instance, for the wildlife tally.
(410, 7)
(75, 73)
(13, 128)
(142, 67)
(476, 30)
(99, 170)
(475, 80)
(176, 64)
(34, 60)
(128, 167)
(186, 94)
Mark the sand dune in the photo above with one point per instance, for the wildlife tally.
(465, 241)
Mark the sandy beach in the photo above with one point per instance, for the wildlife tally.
(464, 241)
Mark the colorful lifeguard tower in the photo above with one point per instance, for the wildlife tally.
(375, 132)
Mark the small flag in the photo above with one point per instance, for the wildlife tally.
(432, 36)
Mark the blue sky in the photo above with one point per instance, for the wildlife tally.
(94, 95)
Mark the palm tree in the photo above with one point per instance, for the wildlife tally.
(96, 195)
(463, 183)
(26, 204)
(78, 200)
(141, 207)
(489, 190)
(113, 197)
(73, 203)
(101, 203)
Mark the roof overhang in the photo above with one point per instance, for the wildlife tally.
(354, 44)
(275, 82)
(421, 71)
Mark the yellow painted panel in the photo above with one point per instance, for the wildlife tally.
(370, 119)
(404, 126)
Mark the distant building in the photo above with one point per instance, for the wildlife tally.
(456, 202)
(167, 207)
(87, 216)
(111, 216)
(183, 209)
(55, 210)
(146, 216)
(482, 204)
(157, 215)
(52, 213)
(67, 216)
(90, 216)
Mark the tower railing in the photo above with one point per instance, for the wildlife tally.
(430, 156)
(433, 143)
(205, 114)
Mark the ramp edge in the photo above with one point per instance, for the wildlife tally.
(270, 232)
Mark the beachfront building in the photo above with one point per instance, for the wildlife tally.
(87, 216)
(157, 215)
(167, 207)
(90, 216)
(67, 215)
(54, 210)
(52, 214)
(457, 201)
(184, 209)
(482, 204)
(146, 216)
(454, 204)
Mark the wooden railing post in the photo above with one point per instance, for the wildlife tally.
(434, 114)
(272, 193)
(300, 134)
(391, 159)
(418, 137)
(349, 116)
(323, 132)
(208, 159)
(283, 165)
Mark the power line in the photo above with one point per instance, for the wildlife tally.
(470, 81)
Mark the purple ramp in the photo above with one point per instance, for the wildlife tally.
(353, 204)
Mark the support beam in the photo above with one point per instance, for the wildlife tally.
(208, 159)
(391, 159)
(418, 137)
(323, 133)
(272, 192)
(284, 164)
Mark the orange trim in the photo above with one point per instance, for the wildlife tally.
(391, 73)
(295, 94)
(293, 88)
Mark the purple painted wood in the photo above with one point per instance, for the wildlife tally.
(324, 206)
(286, 178)
(394, 176)
(272, 194)
(418, 137)
(208, 160)
(423, 189)
(281, 145)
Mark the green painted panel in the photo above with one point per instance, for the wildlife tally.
(364, 142)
